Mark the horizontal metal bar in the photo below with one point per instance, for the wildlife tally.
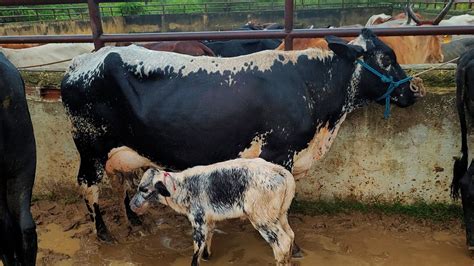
(46, 39)
(55, 2)
(227, 35)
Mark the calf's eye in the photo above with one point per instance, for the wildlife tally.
(143, 189)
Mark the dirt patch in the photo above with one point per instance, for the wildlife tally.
(66, 237)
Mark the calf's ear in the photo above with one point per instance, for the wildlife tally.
(343, 49)
(162, 190)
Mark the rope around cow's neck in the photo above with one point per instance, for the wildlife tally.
(385, 79)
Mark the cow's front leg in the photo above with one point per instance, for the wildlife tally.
(90, 194)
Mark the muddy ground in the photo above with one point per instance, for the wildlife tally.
(66, 238)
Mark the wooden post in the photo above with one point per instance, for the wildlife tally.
(96, 23)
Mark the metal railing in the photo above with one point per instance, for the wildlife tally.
(99, 38)
(29, 14)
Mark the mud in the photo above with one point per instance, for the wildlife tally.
(66, 238)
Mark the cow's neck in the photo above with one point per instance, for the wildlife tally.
(335, 89)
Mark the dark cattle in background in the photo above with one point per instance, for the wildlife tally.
(194, 48)
(234, 48)
(181, 111)
(462, 179)
(231, 48)
(17, 170)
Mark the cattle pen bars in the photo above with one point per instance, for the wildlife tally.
(288, 33)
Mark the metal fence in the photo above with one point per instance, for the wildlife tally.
(99, 38)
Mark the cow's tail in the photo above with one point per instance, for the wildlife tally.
(460, 164)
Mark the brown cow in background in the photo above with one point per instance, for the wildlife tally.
(194, 48)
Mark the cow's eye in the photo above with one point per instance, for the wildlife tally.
(386, 61)
(143, 189)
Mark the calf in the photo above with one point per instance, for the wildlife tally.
(252, 188)
(462, 179)
(124, 167)
(18, 242)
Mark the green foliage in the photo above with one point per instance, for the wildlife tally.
(438, 212)
(131, 8)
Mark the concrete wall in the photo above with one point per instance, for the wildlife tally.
(194, 22)
(407, 157)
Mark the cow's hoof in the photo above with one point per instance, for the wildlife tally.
(296, 252)
(205, 255)
(105, 236)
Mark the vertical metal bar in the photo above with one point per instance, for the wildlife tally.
(288, 24)
(96, 23)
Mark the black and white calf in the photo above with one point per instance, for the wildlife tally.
(251, 188)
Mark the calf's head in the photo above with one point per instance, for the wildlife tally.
(151, 187)
(372, 51)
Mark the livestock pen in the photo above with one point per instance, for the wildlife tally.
(398, 166)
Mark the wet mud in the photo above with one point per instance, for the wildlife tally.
(66, 237)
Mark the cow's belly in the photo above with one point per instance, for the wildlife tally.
(317, 148)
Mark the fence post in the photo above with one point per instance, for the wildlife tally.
(288, 24)
(96, 23)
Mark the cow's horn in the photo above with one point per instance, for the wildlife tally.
(411, 14)
(443, 13)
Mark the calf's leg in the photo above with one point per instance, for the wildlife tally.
(278, 239)
(207, 251)
(200, 232)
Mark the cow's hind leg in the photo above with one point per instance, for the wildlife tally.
(467, 195)
(131, 216)
(18, 201)
(7, 253)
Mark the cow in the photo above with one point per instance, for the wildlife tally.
(408, 49)
(462, 179)
(239, 188)
(194, 48)
(18, 240)
(181, 111)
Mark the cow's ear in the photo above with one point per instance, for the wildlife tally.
(341, 48)
(162, 190)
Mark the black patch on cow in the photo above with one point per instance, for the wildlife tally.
(227, 187)
(281, 58)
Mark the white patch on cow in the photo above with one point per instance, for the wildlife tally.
(350, 104)
(90, 66)
(255, 148)
(317, 148)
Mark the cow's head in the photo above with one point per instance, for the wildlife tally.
(376, 54)
(151, 188)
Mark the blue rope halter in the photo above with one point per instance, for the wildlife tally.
(385, 79)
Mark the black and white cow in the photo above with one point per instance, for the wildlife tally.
(464, 180)
(180, 111)
(241, 188)
(18, 244)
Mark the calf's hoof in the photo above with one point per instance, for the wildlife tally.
(296, 252)
(205, 255)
